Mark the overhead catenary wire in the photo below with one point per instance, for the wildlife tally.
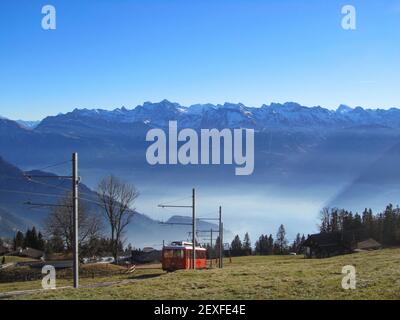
(173, 201)
(44, 205)
(26, 178)
(50, 185)
(102, 204)
(33, 181)
(32, 193)
(52, 165)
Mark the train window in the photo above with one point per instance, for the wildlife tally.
(168, 253)
(173, 253)
(200, 254)
(178, 253)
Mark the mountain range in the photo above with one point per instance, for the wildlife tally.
(228, 115)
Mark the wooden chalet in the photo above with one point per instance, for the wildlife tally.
(324, 245)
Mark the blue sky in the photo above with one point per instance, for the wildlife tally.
(117, 53)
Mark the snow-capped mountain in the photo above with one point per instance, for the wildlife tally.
(230, 115)
(28, 124)
(22, 123)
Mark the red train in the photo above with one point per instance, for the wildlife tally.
(178, 255)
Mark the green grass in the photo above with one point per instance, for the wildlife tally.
(257, 277)
(13, 259)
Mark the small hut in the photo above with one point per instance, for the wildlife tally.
(368, 244)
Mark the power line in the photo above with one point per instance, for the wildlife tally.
(52, 195)
(14, 178)
(28, 178)
(50, 185)
(52, 165)
(25, 178)
(174, 201)
(176, 223)
(46, 205)
(32, 193)
(102, 204)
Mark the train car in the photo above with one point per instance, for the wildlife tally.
(178, 255)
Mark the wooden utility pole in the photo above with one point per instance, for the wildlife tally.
(75, 205)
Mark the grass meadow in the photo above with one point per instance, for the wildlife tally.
(253, 277)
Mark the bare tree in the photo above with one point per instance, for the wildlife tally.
(117, 199)
(60, 223)
(325, 218)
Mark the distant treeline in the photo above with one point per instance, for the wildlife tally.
(31, 239)
(265, 245)
(57, 244)
(384, 227)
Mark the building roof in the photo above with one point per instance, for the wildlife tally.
(4, 249)
(31, 253)
(368, 244)
(327, 239)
